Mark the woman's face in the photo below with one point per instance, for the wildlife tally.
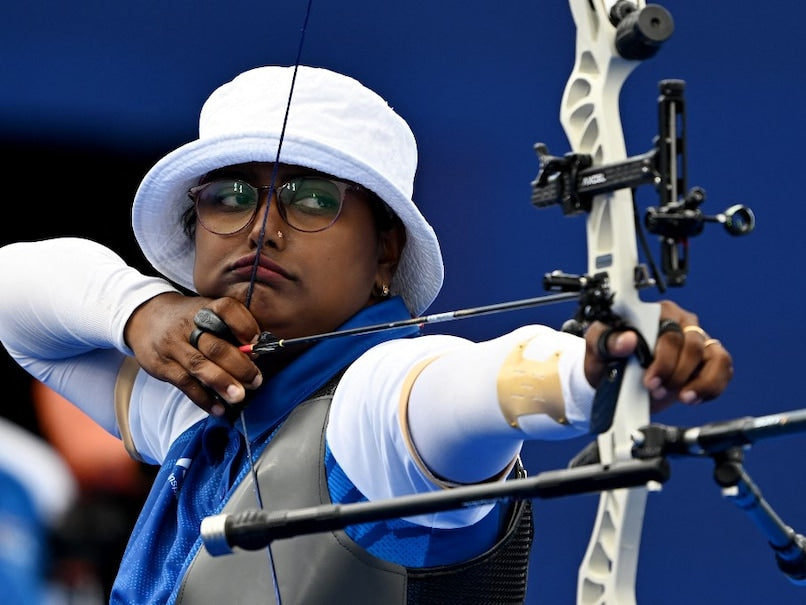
(305, 283)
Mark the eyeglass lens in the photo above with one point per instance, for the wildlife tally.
(306, 203)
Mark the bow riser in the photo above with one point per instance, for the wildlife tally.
(591, 119)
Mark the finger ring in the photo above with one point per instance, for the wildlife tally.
(207, 321)
(696, 329)
(709, 342)
(194, 337)
(669, 325)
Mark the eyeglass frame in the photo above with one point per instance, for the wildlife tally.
(342, 186)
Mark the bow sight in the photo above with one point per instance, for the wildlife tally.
(573, 181)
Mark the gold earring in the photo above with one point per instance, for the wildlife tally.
(380, 292)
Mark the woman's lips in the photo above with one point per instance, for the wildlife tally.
(267, 270)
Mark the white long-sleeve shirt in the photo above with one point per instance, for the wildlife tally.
(65, 302)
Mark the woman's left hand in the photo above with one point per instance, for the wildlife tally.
(688, 365)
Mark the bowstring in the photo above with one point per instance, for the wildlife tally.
(253, 279)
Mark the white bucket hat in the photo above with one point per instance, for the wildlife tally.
(334, 125)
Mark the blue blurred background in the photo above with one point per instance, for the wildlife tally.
(92, 93)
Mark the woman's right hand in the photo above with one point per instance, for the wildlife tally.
(159, 331)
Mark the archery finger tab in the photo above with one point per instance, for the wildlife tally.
(208, 321)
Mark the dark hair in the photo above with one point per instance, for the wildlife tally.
(384, 217)
(188, 221)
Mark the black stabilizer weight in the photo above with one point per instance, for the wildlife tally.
(640, 33)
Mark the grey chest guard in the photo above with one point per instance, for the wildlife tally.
(329, 567)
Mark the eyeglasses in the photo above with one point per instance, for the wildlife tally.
(309, 203)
